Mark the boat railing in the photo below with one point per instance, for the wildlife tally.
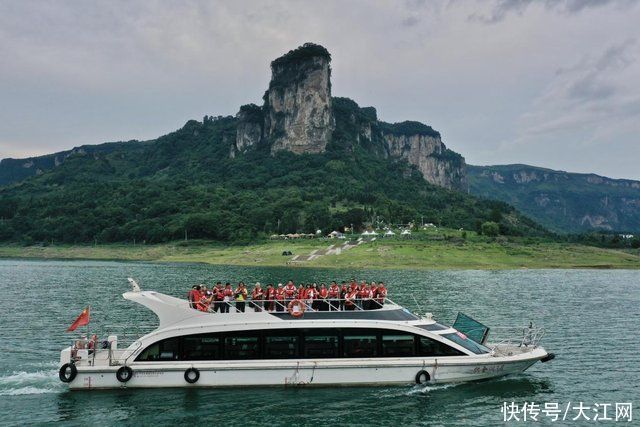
(319, 304)
(507, 338)
(101, 353)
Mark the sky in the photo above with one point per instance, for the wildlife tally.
(551, 83)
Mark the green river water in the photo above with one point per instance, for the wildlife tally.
(592, 318)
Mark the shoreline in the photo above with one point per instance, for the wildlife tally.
(380, 255)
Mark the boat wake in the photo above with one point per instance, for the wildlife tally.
(22, 382)
(423, 389)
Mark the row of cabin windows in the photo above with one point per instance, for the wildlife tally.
(297, 344)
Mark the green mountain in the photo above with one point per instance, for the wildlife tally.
(302, 161)
(562, 201)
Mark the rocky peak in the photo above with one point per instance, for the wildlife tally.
(298, 115)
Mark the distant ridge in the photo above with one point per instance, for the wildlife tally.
(562, 201)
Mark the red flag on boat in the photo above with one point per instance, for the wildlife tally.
(82, 320)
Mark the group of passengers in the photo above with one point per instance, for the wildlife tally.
(346, 296)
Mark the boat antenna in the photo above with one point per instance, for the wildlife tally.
(134, 285)
(418, 305)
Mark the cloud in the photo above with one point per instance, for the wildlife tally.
(501, 9)
(78, 73)
(590, 96)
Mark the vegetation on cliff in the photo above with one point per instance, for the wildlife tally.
(185, 184)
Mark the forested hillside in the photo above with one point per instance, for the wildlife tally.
(185, 183)
(302, 161)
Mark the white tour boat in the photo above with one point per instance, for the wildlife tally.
(382, 346)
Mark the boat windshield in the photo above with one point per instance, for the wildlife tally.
(466, 342)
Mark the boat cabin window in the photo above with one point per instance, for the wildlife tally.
(164, 350)
(466, 342)
(320, 343)
(307, 343)
(242, 346)
(360, 343)
(280, 345)
(432, 348)
(202, 347)
(398, 345)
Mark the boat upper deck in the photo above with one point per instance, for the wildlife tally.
(173, 311)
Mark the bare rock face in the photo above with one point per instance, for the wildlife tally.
(298, 115)
(249, 130)
(438, 165)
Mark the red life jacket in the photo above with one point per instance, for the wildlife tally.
(289, 291)
(280, 294)
(227, 292)
(350, 297)
(310, 294)
(323, 293)
(302, 293)
(203, 303)
(271, 293)
(364, 293)
(257, 294)
(382, 294)
(334, 291)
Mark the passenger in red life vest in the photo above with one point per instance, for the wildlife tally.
(381, 294)
(334, 296)
(218, 297)
(343, 294)
(301, 293)
(289, 291)
(194, 296)
(373, 291)
(357, 288)
(270, 296)
(365, 296)
(323, 294)
(257, 296)
(227, 297)
(280, 296)
(312, 296)
(350, 299)
(205, 300)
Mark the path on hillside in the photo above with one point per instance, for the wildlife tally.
(331, 250)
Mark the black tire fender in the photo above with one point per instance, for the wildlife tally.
(192, 375)
(124, 374)
(62, 373)
(422, 377)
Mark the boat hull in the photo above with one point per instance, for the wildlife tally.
(337, 372)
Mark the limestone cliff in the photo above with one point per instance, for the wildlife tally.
(414, 142)
(249, 129)
(298, 102)
(425, 150)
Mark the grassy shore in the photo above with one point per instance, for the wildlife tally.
(386, 253)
